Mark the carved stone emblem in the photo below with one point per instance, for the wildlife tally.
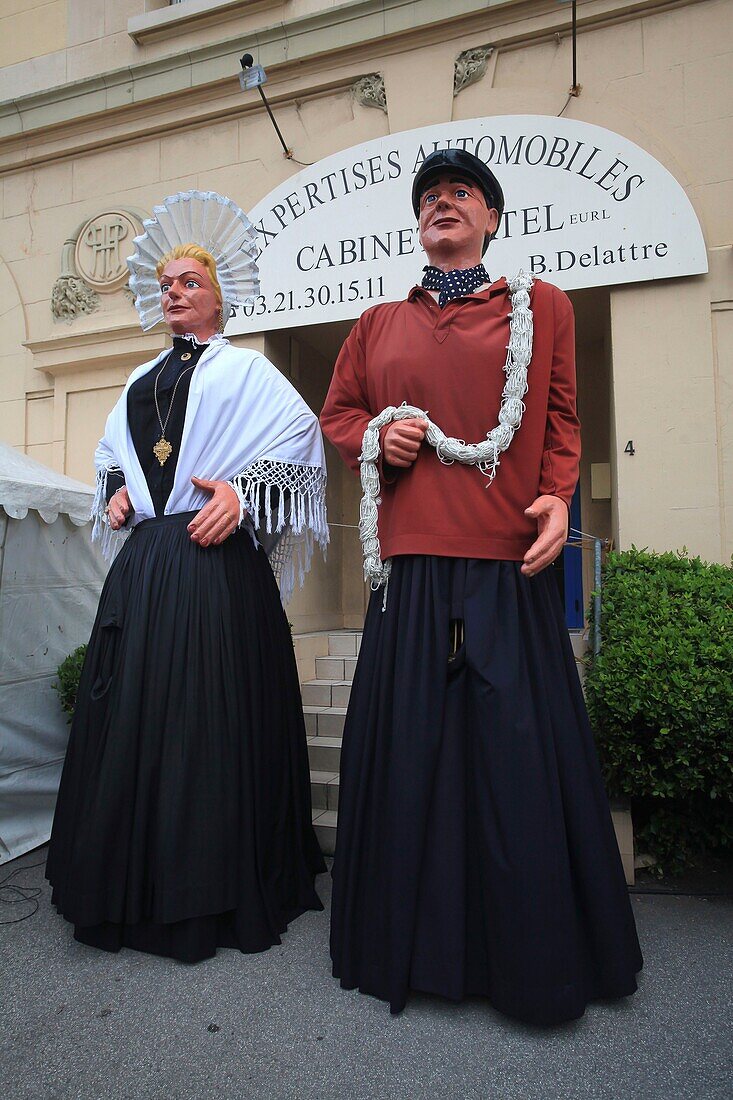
(101, 247)
(93, 262)
(470, 66)
(369, 91)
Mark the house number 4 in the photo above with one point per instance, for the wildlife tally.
(629, 449)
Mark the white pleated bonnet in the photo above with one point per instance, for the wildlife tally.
(209, 220)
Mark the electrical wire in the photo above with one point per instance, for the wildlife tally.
(575, 534)
(22, 893)
(584, 534)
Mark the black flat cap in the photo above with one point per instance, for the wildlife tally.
(463, 164)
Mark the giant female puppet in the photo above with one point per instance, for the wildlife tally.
(183, 821)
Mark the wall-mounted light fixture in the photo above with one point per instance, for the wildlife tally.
(254, 76)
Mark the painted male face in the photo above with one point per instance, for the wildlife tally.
(454, 219)
(188, 298)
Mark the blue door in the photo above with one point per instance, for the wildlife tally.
(568, 569)
(573, 569)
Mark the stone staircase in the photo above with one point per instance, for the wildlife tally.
(325, 700)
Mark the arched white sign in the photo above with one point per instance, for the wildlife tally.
(584, 207)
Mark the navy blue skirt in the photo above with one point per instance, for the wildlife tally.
(475, 852)
(183, 820)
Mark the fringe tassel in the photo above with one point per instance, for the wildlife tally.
(110, 542)
(301, 527)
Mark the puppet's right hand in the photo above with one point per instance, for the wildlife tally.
(401, 442)
(119, 508)
(218, 519)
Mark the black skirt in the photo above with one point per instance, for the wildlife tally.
(475, 851)
(183, 820)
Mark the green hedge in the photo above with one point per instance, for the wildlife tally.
(660, 696)
(69, 672)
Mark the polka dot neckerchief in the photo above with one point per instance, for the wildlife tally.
(454, 284)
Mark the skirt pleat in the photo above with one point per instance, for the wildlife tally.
(475, 851)
(183, 820)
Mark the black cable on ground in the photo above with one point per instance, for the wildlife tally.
(13, 894)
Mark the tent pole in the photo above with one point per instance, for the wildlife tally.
(3, 533)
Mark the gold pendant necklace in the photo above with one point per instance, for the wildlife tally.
(163, 449)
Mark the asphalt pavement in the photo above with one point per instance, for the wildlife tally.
(80, 1023)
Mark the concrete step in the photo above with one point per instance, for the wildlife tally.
(329, 668)
(324, 790)
(335, 668)
(324, 721)
(324, 754)
(325, 700)
(324, 824)
(326, 693)
(340, 695)
(344, 643)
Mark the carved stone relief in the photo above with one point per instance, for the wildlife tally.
(71, 296)
(93, 262)
(369, 91)
(470, 66)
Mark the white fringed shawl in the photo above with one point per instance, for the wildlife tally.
(244, 424)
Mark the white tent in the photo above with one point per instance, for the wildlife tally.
(50, 578)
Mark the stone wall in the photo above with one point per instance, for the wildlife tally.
(124, 102)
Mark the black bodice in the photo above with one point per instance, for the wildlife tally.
(143, 418)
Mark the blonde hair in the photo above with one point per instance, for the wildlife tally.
(193, 252)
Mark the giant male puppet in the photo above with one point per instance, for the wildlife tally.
(475, 853)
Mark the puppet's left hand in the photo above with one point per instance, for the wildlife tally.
(551, 514)
(219, 518)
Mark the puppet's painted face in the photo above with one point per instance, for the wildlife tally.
(454, 219)
(188, 298)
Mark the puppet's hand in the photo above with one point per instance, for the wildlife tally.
(402, 440)
(219, 518)
(551, 514)
(119, 508)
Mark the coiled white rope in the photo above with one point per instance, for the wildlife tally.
(486, 455)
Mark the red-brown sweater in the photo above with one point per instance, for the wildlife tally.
(450, 362)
